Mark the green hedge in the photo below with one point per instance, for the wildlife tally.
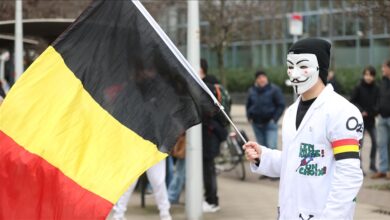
(239, 80)
(348, 78)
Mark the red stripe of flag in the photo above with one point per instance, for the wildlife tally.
(343, 142)
(31, 188)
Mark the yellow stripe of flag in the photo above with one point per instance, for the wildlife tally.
(64, 125)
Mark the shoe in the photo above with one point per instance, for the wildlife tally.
(210, 208)
(165, 215)
(378, 175)
(388, 175)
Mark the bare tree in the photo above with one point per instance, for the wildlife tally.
(6, 9)
(228, 21)
(155, 7)
(381, 8)
(44, 8)
(63, 8)
(374, 14)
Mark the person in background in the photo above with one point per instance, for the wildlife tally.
(207, 78)
(264, 107)
(384, 124)
(213, 133)
(332, 80)
(169, 170)
(156, 176)
(365, 96)
(178, 180)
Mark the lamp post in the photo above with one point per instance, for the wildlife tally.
(194, 175)
(18, 39)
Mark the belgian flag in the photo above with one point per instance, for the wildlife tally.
(103, 103)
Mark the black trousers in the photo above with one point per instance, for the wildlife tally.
(210, 181)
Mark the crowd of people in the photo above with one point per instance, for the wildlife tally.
(372, 98)
(374, 104)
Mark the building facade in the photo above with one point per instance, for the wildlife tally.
(359, 34)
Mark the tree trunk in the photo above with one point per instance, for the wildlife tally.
(221, 62)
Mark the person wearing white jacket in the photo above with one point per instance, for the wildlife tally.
(319, 166)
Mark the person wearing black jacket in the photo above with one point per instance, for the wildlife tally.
(213, 133)
(365, 97)
(264, 107)
(384, 124)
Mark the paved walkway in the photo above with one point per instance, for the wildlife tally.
(257, 199)
(250, 200)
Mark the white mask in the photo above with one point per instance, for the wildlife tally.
(303, 71)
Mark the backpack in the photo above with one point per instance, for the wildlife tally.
(225, 99)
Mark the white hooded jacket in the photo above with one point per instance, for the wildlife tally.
(319, 168)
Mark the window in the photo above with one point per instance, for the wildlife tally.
(278, 28)
(324, 3)
(350, 25)
(313, 5)
(312, 25)
(337, 24)
(324, 24)
(378, 25)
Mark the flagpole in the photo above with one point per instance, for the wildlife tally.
(18, 39)
(194, 174)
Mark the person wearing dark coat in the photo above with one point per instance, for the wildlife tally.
(384, 124)
(264, 107)
(365, 97)
(213, 133)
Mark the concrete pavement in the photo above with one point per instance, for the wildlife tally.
(250, 200)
